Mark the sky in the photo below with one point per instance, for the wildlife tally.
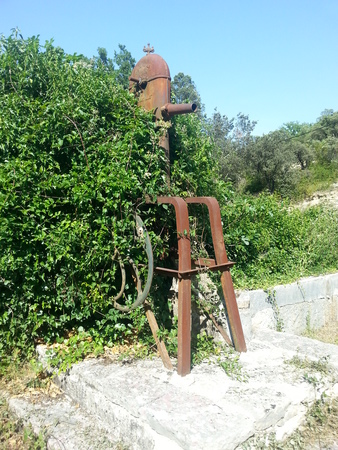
(274, 60)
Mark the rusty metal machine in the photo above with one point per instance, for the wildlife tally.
(150, 81)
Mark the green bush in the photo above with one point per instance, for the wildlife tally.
(273, 242)
(317, 177)
(77, 158)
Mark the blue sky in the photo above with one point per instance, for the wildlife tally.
(275, 60)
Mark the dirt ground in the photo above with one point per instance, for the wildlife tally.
(330, 197)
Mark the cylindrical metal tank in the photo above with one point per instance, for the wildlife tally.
(150, 81)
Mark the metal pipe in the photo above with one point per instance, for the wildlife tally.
(169, 110)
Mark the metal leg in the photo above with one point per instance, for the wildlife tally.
(221, 258)
(184, 284)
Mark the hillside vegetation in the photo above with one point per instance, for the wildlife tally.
(78, 159)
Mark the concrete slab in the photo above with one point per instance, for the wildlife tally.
(144, 406)
(63, 424)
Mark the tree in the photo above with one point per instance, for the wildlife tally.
(326, 126)
(220, 128)
(230, 138)
(326, 150)
(125, 64)
(296, 129)
(325, 113)
(103, 55)
(300, 141)
(121, 65)
(303, 153)
(270, 159)
(325, 137)
(101, 61)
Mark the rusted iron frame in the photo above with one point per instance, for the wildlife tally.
(185, 272)
(150, 79)
(235, 324)
(184, 284)
(202, 262)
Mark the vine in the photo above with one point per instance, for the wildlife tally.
(271, 299)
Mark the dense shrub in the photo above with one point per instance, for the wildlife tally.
(77, 158)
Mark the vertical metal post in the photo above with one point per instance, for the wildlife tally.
(184, 284)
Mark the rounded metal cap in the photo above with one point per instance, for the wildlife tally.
(149, 68)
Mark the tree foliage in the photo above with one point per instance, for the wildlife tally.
(270, 159)
(103, 55)
(325, 135)
(78, 158)
(231, 138)
(119, 67)
(273, 243)
(125, 64)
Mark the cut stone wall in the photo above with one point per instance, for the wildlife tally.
(309, 303)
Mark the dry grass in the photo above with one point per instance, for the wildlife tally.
(320, 430)
(328, 333)
(28, 379)
(22, 379)
(13, 434)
